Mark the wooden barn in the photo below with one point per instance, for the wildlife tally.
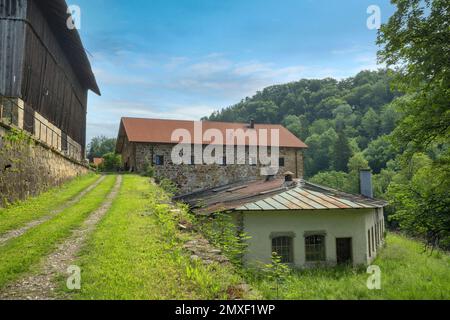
(45, 74)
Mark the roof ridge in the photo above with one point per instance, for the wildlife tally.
(339, 192)
(209, 121)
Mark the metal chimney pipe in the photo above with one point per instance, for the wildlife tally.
(252, 123)
(365, 183)
(288, 176)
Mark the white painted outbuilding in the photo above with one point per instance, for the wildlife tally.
(304, 223)
(309, 237)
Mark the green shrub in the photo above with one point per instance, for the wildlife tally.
(222, 233)
(112, 162)
(169, 186)
(276, 272)
(149, 170)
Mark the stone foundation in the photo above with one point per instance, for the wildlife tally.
(29, 167)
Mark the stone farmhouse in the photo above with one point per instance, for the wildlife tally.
(149, 141)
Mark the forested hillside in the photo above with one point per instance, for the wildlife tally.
(403, 134)
(345, 123)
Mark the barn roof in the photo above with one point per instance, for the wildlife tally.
(56, 13)
(275, 195)
(160, 131)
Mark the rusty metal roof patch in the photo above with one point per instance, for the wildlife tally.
(275, 195)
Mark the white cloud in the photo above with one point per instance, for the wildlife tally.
(175, 62)
(251, 68)
(224, 78)
(105, 115)
(209, 68)
(105, 77)
(132, 108)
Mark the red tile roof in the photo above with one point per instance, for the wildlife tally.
(98, 161)
(160, 131)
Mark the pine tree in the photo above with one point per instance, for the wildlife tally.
(342, 152)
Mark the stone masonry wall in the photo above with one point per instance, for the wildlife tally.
(202, 176)
(29, 167)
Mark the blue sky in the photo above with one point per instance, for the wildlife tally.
(184, 59)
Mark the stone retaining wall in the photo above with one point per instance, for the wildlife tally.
(29, 167)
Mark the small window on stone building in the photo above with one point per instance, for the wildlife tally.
(253, 161)
(281, 162)
(315, 248)
(282, 246)
(159, 160)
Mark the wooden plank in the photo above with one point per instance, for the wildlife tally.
(237, 188)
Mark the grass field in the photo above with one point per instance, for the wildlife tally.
(20, 213)
(135, 253)
(19, 255)
(407, 272)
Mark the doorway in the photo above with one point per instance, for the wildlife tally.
(344, 250)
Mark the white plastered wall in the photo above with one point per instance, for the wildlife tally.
(339, 223)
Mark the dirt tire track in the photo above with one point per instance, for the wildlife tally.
(18, 232)
(42, 286)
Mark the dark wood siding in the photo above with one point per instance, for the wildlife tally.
(12, 42)
(34, 66)
(50, 85)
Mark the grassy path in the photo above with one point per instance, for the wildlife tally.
(134, 254)
(19, 214)
(41, 285)
(18, 232)
(20, 255)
